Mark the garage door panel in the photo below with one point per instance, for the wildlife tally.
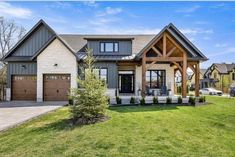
(24, 87)
(56, 87)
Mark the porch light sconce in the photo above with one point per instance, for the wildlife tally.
(55, 64)
(23, 66)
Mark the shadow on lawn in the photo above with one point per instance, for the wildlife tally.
(152, 108)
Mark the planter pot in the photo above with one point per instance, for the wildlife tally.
(162, 100)
(185, 100)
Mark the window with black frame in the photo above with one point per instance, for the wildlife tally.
(101, 73)
(155, 78)
(109, 47)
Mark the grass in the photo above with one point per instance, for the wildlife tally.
(148, 131)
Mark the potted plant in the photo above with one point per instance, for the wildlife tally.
(155, 100)
(132, 100)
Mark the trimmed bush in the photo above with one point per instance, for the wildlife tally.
(132, 100)
(118, 100)
(71, 99)
(192, 100)
(142, 101)
(155, 100)
(108, 99)
(180, 100)
(168, 100)
(202, 99)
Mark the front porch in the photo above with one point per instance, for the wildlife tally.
(154, 73)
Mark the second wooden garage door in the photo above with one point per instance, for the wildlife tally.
(56, 87)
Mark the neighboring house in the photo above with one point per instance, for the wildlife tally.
(222, 75)
(44, 65)
(202, 83)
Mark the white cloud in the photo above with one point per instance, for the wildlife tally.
(102, 21)
(109, 11)
(189, 9)
(90, 3)
(6, 9)
(206, 38)
(130, 31)
(219, 45)
(196, 31)
(229, 50)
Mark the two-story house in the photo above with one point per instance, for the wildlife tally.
(222, 74)
(44, 65)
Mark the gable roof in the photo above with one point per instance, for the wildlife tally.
(79, 41)
(195, 53)
(27, 35)
(224, 68)
(202, 71)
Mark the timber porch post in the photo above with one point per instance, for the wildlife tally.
(143, 74)
(184, 76)
(197, 79)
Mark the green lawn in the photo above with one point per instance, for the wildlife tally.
(131, 131)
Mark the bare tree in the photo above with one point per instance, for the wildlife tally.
(10, 33)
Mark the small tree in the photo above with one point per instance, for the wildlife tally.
(90, 101)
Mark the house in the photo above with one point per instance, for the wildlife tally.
(201, 77)
(44, 65)
(222, 75)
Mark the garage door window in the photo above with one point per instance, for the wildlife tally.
(57, 77)
(17, 78)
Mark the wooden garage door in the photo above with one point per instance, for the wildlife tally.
(56, 87)
(24, 87)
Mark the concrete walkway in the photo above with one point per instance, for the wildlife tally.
(16, 112)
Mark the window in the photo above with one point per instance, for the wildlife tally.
(215, 75)
(109, 47)
(101, 73)
(155, 78)
(233, 76)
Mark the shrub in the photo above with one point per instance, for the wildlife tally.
(180, 100)
(202, 99)
(142, 101)
(71, 99)
(118, 100)
(90, 101)
(192, 100)
(155, 100)
(108, 99)
(132, 100)
(168, 100)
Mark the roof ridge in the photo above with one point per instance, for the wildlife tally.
(110, 34)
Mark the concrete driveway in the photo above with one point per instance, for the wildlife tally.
(16, 112)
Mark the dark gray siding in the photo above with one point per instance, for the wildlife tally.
(16, 68)
(34, 42)
(112, 72)
(125, 47)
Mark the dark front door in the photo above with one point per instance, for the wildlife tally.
(126, 83)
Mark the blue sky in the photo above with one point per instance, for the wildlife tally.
(209, 25)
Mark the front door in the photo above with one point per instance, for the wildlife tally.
(126, 82)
